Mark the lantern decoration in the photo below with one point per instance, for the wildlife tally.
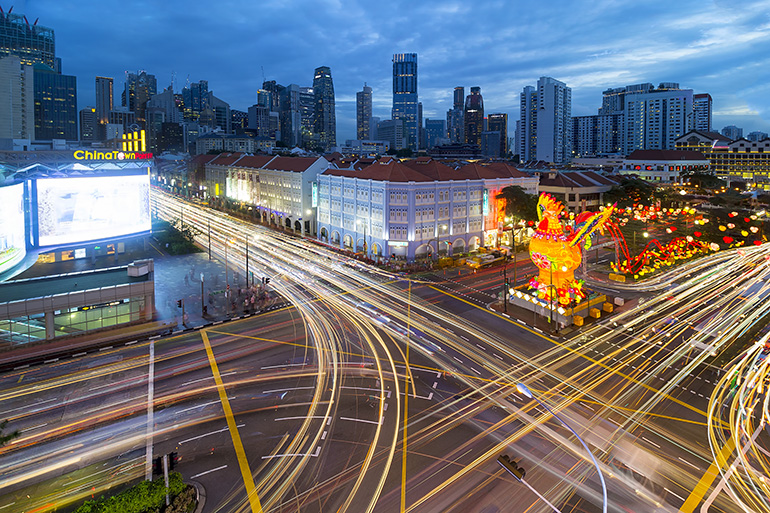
(697, 234)
(754, 229)
(722, 228)
(714, 246)
(727, 239)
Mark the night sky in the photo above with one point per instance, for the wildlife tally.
(719, 47)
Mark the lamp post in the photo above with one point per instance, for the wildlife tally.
(438, 240)
(366, 246)
(528, 393)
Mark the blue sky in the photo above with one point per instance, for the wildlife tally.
(719, 47)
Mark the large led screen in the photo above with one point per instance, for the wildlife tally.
(81, 209)
(12, 244)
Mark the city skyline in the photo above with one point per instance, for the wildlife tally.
(708, 48)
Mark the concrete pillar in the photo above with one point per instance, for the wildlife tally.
(50, 331)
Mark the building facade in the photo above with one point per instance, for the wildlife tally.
(655, 118)
(104, 100)
(32, 44)
(324, 119)
(554, 111)
(405, 100)
(88, 124)
(17, 110)
(138, 90)
(364, 114)
(56, 109)
(393, 131)
(702, 109)
(473, 117)
(732, 132)
(498, 122)
(664, 166)
(435, 132)
(454, 117)
(413, 209)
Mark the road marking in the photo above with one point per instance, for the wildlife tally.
(21, 367)
(302, 418)
(7, 505)
(456, 358)
(497, 356)
(204, 379)
(78, 354)
(435, 384)
(687, 462)
(35, 427)
(313, 455)
(197, 406)
(481, 347)
(366, 389)
(323, 435)
(27, 406)
(207, 434)
(474, 370)
(467, 340)
(243, 463)
(132, 342)
(208, 471)
(51, 361)
(675, 495)
(285, 365)
(20, 378)
(286, 390)
(362, 420)
(651, 443)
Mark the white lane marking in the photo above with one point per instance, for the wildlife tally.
(208, 471)
(27, 406)
(287, 390)
(497, 356)
(481, 347)
(474, 370)
(675, 495)
(35, 427)
(464, 338)
(51, 361)
(132, 342)
(650, 442)
(435, 384)
(75, 356)
(285, 365)
(323, 435)
(207, 434)
(142, 377)
(366, 389)
(197, 406)
(385, 407)
(210, 377)
(105, 348)
(302, 418)
(7, 505)
(687, 462)
(362, 420)
(456, 358)
(584, 404)
(21, 367)
(313, 455)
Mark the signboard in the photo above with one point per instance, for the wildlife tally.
(315, 195)
(485, 202)
(398, 243)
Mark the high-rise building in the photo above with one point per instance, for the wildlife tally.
(291, 115)
(33, 44)
(239, 120)
(259, 115)
(490, 144)
(545, 114)
(597, 135)
(307, 113)
(393, 131)
(474, 117)
(364, 114)
(325, 119)
(405, 96)
(701, 106)
(757, 136)
(454, 116)
(527, 132)
(104, 99)
(139, 88)
(56, 109)
(655, 118)
(88, 124)
(498, 122)
(435, 132)
(195, 98)
(17, 108)
(733, 132)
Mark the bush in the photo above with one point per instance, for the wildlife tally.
(145, 496)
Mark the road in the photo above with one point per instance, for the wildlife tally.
(372, 392)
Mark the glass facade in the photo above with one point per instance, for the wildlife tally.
(33, 44)
(56, 114)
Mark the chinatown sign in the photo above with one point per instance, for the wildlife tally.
(110, 155)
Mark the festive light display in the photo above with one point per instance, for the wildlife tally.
(555, 249)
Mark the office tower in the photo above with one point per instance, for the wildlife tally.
(597, 135)
(701, 106)
(757, 136)
(435, 132)
(393, 131)
(56, 110)
(528, 124)
(307, 113)
(325, 121)
(490, 143)
(17, 109)
(364, 114)
(655, 118)
(259, 115)
(554, 111)
(104, 99)
(499, 123)
(733, 132)
(166, 102)
(454, 116)
(221, 112)
(290, 115)
(195, 98)
(139, 88)
(273, 91)
(239, 120)
(88, 124)
(405, 96)
(32, 44)
(474, 117)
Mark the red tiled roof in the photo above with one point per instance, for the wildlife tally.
(297, 164)
(199, 160)
(255, 161)
(226, 159)
(667, 155)
(491, 170)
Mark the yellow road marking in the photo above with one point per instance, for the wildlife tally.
(705, 482)
(20, 378)
(248, 478)
(578, 353)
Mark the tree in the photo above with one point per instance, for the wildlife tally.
(630, 192)
(404, 153)
(704, 181)
(518, 203)
(4, 439)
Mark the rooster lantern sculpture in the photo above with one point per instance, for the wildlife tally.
(556, 250)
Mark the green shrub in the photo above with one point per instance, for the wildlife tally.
(138, 499)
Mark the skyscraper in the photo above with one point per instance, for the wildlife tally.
(56, 110)
(139, 88)
(104, 99)
(325, 120)
(499, 123)
(405, 96)
(454, 116)
(474, 117)
(364, 114)
(546, 128)
(701, 105)
(307, 113)
(291, 115)
(655, 118)
(33, 44)
(435, 132)
(17, 109)
(88, 124)
(195, 98)
(733, 132)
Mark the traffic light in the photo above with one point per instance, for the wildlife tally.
(157, 466)
(267, 280)
(512, 467)
(179, 303)
(173, 459)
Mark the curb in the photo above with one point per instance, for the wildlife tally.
(200, 495)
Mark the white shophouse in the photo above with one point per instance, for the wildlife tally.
(279, 188)
(411, 209)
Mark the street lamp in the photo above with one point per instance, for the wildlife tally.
(528, 393)
(366, 246)
(438, 240)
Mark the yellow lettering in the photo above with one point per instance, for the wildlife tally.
(79, 155)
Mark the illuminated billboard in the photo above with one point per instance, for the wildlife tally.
(79, 209)
(12, 244)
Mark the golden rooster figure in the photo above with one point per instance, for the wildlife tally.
(556, 251)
